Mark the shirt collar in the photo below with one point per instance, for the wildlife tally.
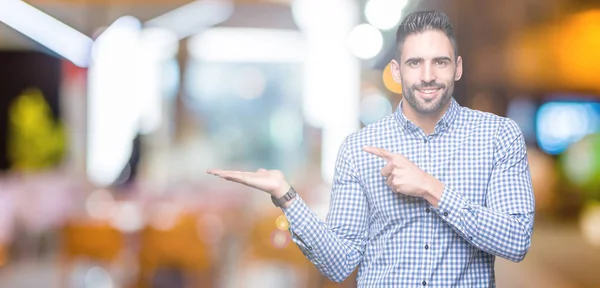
(445, 122)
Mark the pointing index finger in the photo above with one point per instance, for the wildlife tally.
(384, 154)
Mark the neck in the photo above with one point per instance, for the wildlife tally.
(424, 121)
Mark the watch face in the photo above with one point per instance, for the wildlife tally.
(285, 198)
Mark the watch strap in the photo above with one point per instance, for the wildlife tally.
(278, 202)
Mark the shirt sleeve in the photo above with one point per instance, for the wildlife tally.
(503, 227)
(337, 245)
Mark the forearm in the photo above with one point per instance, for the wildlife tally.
(502, 234)
(334, 257)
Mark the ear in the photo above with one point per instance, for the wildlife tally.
(459, 69)
(395, 67)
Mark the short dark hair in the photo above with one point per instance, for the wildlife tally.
(421, 21)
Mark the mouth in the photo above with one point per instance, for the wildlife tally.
(428, 93)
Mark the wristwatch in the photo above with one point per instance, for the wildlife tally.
(278, 202)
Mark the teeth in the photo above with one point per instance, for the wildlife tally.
(429, 90)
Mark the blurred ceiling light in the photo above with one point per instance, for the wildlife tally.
(112, 100)
(46, 30)
(365, 41)
(317, 14)
(159, 43)
(194, 17)
(125, 29)
(384, 14)
(247, 45)
(331, 73)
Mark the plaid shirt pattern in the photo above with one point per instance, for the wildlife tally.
(486, 210)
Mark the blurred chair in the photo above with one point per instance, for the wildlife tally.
(88, 240)
(176, 253)
(270, 252)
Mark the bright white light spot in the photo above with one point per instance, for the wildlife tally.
(365, 41)
(247, 45)
(384, 14)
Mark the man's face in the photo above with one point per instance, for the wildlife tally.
(427, 70)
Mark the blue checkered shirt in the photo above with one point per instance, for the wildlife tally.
(486, 210)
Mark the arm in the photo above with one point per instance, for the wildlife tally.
(337, 246)
(504, 226)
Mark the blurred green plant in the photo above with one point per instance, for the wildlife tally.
(580, 164)
(35, 140)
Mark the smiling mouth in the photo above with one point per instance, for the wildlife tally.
(429, 91)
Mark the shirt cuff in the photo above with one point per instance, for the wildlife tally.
(451, 205)
(296, 215)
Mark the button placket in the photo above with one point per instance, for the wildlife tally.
(429, 219)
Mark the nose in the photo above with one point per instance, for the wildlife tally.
(427, 73)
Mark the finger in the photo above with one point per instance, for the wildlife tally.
(218, 172)
(261, 170)
(390, 182)
(226, 173)
(387, 169)
(386, 155)
(237, 176)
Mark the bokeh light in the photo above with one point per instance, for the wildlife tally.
(280, 239)
(581, 165)
(374, 107)
(365, 41)
(100, 204)
(384, 14)
(590, 223)
(282, 223)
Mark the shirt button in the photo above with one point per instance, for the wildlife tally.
(426, 246)
(425, 140)
(445, 213)
(424, 283)
(427, 210)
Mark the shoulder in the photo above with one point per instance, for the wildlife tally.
(500, 127)
(504, 132)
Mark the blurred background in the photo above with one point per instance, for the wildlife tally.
(111, 112)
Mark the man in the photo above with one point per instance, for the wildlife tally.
(427, 196)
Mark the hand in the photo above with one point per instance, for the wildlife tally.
(270, 181)
(406, 178)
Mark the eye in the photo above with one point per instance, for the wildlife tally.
(441, 63)
(413, 64)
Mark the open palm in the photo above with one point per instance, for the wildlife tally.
(270, 181)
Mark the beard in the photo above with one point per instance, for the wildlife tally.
(427, 106)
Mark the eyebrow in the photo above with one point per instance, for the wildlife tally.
(441, 58)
